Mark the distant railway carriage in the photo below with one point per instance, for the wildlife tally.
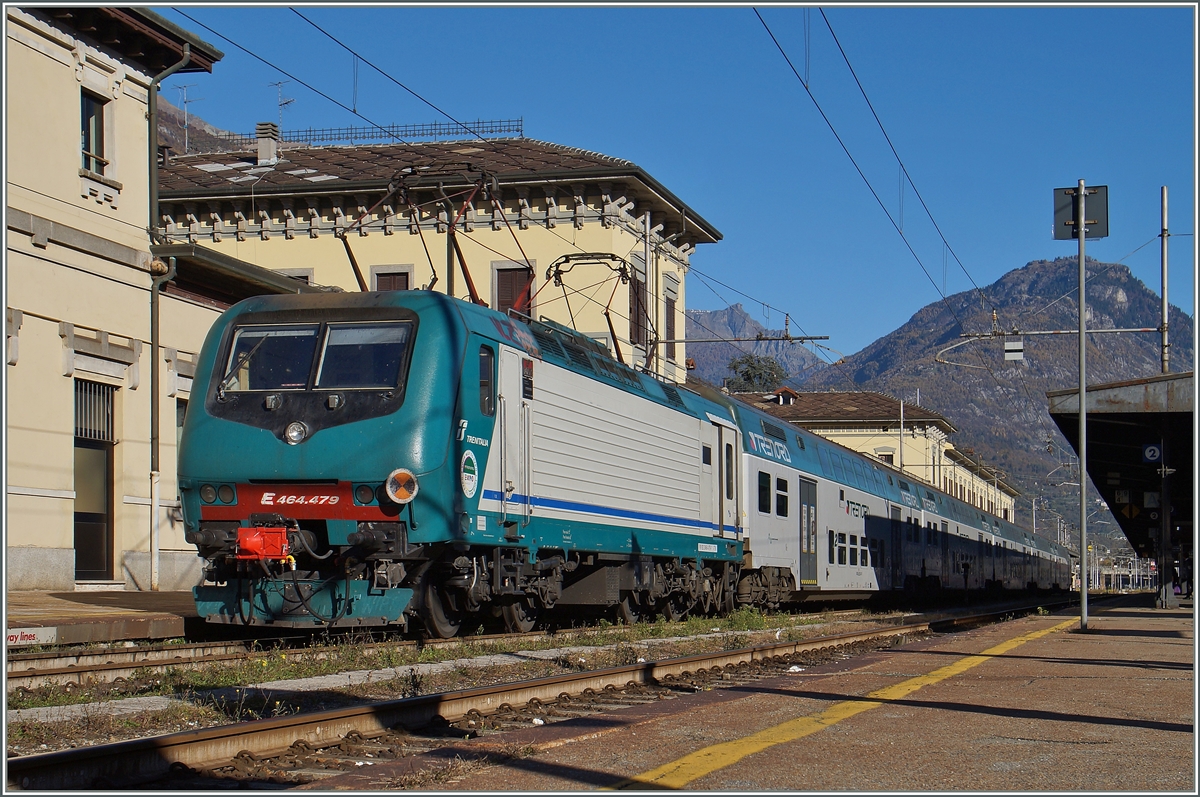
(374, 458)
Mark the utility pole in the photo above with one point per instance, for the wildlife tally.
(1081, 227)
(1166, 345)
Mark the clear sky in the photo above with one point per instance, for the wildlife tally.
(990, 109)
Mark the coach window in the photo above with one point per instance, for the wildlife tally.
(781, 497)
(854, 550)
(706, 455)
(863, 560)
(841, 549)
(487, 398)
(831, 546)
(764, 492)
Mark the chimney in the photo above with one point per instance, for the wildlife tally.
(267, 134)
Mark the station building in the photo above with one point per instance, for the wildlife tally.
(587, 240)
(84, 254)
(908, 437)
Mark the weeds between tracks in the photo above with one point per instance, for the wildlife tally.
(605, 645)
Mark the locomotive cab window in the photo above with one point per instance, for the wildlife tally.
(487, 395)
(363, 355)
(350, 355)
(271, 358)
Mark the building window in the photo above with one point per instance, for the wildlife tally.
(638, 318)
(304, 275)
(91, 133)
(513, 286)
(671, 297)
(180, 415)
(391, 281)
(890, 459)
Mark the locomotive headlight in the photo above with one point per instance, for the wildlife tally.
(364, 493)
(208, 493)
(401, 485)
(296, 432)
(225, 493)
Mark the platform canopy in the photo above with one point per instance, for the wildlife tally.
(1134, 430)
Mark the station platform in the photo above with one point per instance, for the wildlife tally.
(74, 618)
(1032, 704)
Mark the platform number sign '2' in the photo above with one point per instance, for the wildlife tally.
(1152, 452)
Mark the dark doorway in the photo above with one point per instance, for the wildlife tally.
(94, 442)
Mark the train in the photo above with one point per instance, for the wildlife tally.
(403, 458)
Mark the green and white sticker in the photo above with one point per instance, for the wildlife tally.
(469, 474)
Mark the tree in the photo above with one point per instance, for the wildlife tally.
(755, 374)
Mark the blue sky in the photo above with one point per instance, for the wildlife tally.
(990, 108)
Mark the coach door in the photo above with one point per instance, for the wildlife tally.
(808, 533)
(515, 406)
(898, 529)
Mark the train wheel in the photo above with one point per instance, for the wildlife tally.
(630, 610)
(519, 617)
(442, 619)
(676, 607)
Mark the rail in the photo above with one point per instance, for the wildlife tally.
(141, 760)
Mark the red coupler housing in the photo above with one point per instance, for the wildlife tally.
(262, 542)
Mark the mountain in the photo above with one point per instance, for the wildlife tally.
(201, 136)
(712, 359)
(999, 407)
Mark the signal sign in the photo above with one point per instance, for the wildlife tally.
(1095, 207)
(1152, 452)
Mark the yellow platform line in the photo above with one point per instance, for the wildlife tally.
(677, 774)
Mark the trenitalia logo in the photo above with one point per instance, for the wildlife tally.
(769, 448)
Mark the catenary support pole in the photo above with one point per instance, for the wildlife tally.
(1081, 227)
(1166, 343)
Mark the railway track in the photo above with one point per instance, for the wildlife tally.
(308, 747)
(106, 665)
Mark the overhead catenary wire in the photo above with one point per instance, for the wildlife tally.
(887, 213)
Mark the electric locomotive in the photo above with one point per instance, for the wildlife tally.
(373, 458)
(378, 458)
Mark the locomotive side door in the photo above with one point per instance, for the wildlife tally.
(808, 533)
(728, 457)
(711, 488)
(514, 405)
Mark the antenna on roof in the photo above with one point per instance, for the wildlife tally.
(184, 103)
(283, 101)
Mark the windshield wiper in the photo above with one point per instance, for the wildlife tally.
(241, 363)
